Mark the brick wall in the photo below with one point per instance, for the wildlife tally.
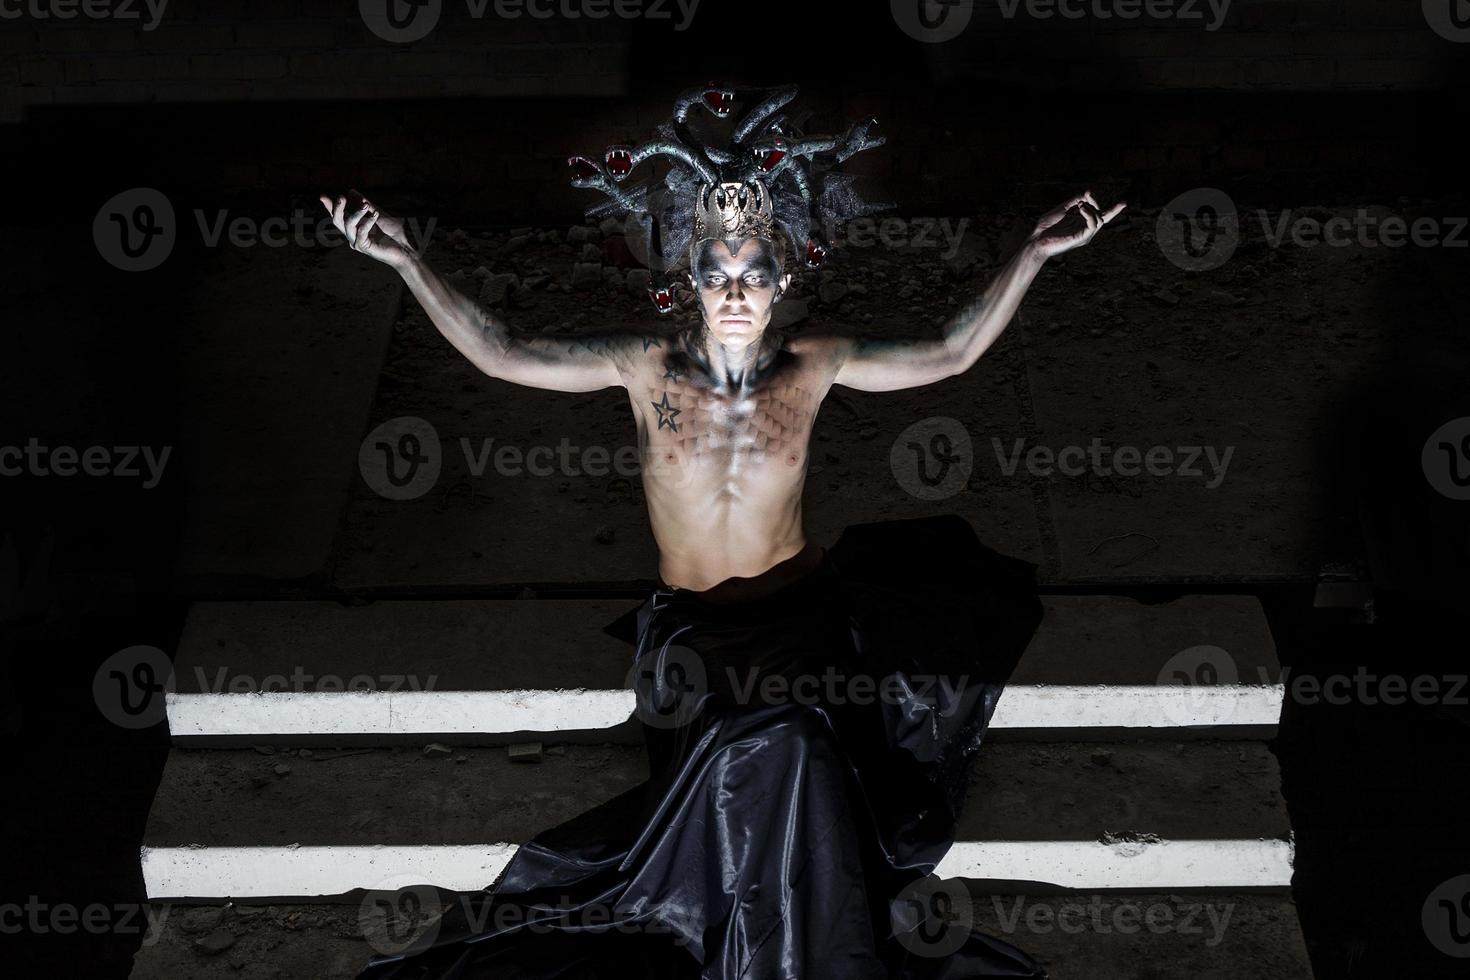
(268, 50)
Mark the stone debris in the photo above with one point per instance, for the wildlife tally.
(586, 275)
(580, 233)
(215, 943)
(788, 312)
(202, 919)
(437, 750)
(496, 288)
(524, 752)
(281, 769)
(832, 291)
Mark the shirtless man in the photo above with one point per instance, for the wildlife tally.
(724, 409)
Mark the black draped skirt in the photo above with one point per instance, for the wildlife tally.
(810, 751)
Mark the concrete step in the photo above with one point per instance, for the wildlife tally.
(1141, 815)
(408, 667)
(1228, 936)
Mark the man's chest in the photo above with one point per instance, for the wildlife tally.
(694, 424)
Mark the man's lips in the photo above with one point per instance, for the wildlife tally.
(734, 319)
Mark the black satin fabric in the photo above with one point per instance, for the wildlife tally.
(784, 819)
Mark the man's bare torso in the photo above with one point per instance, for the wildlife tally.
(724, 468)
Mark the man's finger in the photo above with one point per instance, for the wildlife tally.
(1114, 211)
(365, 229)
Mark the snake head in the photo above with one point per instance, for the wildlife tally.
(663, 298)
(768, 153)
(718, 100)
(585, 173)
(815, 253)
(619, 161)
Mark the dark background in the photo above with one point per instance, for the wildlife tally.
(257, 107)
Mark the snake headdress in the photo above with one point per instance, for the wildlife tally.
(765, 179)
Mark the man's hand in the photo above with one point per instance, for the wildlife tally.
(1059, 230)
(368, 230)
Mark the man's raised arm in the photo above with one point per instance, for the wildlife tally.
(884, 364)
(584, 363)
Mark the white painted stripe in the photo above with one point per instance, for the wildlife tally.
(395, 712)
(490, 712)
(261, 872)
(1160, 864)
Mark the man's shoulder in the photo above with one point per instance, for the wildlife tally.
(819, 347)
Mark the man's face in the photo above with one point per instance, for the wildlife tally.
(736, 289)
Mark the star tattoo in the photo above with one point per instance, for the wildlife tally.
(651, 342)
(674, 375)
(666, 413)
